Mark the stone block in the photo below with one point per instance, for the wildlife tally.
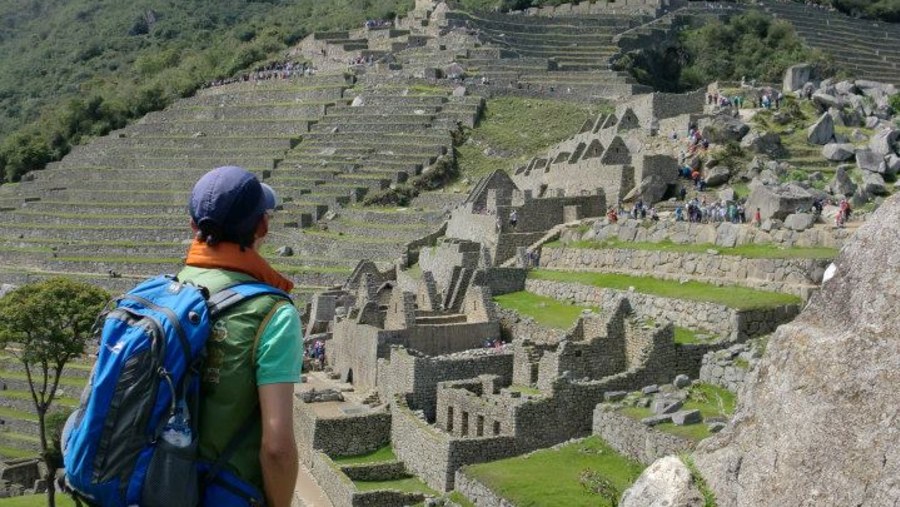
(687, 417)
(651, 389)
(682, 381)
(666, 406)
(799, 221)
(822, 131)
(656, 419)
(838, 152)
(615, 395)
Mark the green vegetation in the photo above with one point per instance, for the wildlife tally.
(710, 400)
(757, 47)
(12, 452)
(406, 484)
(887, 10)
(34, 500)
(709, 498)
(514, 129)
(685, 336)
(74, 69)
(740, 298)
(546, 311)
(457, 498)
(386, 453)
(750, 251)
(584, 473)
(525, 390)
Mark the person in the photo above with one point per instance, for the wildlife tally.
(757, 218)
(513, 218)
(254, 353)
(611, 215)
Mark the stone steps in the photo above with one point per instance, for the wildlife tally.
(190, 143)
(21, 441)
(237, 113)
(242, 97)
(359, 128)
(300, 83)
(258, 128)
(101, 220)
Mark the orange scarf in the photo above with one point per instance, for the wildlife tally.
(229, 256)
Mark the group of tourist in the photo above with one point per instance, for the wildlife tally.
(315, 354)
(639, 211)
(275, 70)
(367, 60)
(699, 211)
(377, 24)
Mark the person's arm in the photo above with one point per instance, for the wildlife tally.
(278, 452)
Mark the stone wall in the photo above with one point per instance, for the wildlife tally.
(478, 493)
(385, 471)
(626, 7)
(516, 326)
(723, 234)
(342, 492)
(792, 276)
(417, 377)
(689, 357)
(632, 438)
(341, 436)
(729, 368)
(660, 106)
(501, 280)
(735, 325)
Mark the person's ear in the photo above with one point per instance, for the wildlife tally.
(194, 227)
(262, 228)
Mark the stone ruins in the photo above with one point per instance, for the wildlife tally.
(435, 321)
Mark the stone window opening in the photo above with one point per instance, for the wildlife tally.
(496, 428)
(449, 419)
(479, 426)
(577, 353)
(464, 429)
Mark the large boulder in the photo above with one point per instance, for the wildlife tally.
(842, 184)
(873, 183)
(764, 144)
(718, 175)
(651, 189)
(826, 101)
(884, 142)
(796, 76)
(822, 131)
(799, 221)
(869, 161)
(723, 128)
(778, 201)
(838, 152)
(665, 483)
(817, 420)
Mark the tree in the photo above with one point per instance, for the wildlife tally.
(45, 325)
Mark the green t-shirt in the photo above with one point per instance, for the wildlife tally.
(241, 356)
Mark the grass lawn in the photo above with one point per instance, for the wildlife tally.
(517, 129)
(12, 452)
(741, 298)
(584, 473)
(62, 500)
(546, 311)
(525, 390)
(754, 251)
(63, 381)
(685, 336)
(457, 498)
(710, 400)
(386, 453)
(407, 485)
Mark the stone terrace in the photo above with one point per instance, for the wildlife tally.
(868, 49)
(113, 211)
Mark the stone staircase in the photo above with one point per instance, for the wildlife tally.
(867, 49)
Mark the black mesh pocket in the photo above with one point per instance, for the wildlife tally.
(171, 477)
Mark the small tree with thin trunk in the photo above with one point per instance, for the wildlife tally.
(45, 325)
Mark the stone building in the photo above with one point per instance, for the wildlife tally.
(616, 152)
(486, 215)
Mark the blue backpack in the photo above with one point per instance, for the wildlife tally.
(151, 352)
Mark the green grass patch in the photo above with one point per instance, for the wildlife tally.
(710, 400)
(21, 437)
(457, 498)
(25, 395)
(13, 453)
(406, 485)
(685, 336)
(584, 473)
(740, 298)
(531, 391)
(545, 311)
(62, 500)
(517, 129)
(750, 251)
(386, 453)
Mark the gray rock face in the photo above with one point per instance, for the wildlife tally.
(869, 161)
(681, 381)
(796, 76)
(892, 164)
(687, 417)
(651, 189)
(837, 362)
(778, 201)
(285, 251)
(884, 143)
(6, 289)
(665, 483)
(842, 184)
(822, 131)
(723, 128)
(873, 183)
(717, 176)
(826, 101)
(838, 152)
(799, 221)
(768, 144)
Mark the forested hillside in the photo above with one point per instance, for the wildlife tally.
(82, 67)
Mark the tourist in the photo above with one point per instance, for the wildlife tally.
(654, 215)
(513, 218)
(679, 213)
(757, 218)
(611, 215)
(230, 212)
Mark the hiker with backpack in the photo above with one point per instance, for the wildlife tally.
(191, 400)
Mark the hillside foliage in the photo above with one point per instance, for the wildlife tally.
(886, 10)
(751, 45)
(76, 68)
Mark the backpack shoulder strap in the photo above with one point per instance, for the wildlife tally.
(238, 293)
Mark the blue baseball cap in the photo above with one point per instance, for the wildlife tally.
(230, 200)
